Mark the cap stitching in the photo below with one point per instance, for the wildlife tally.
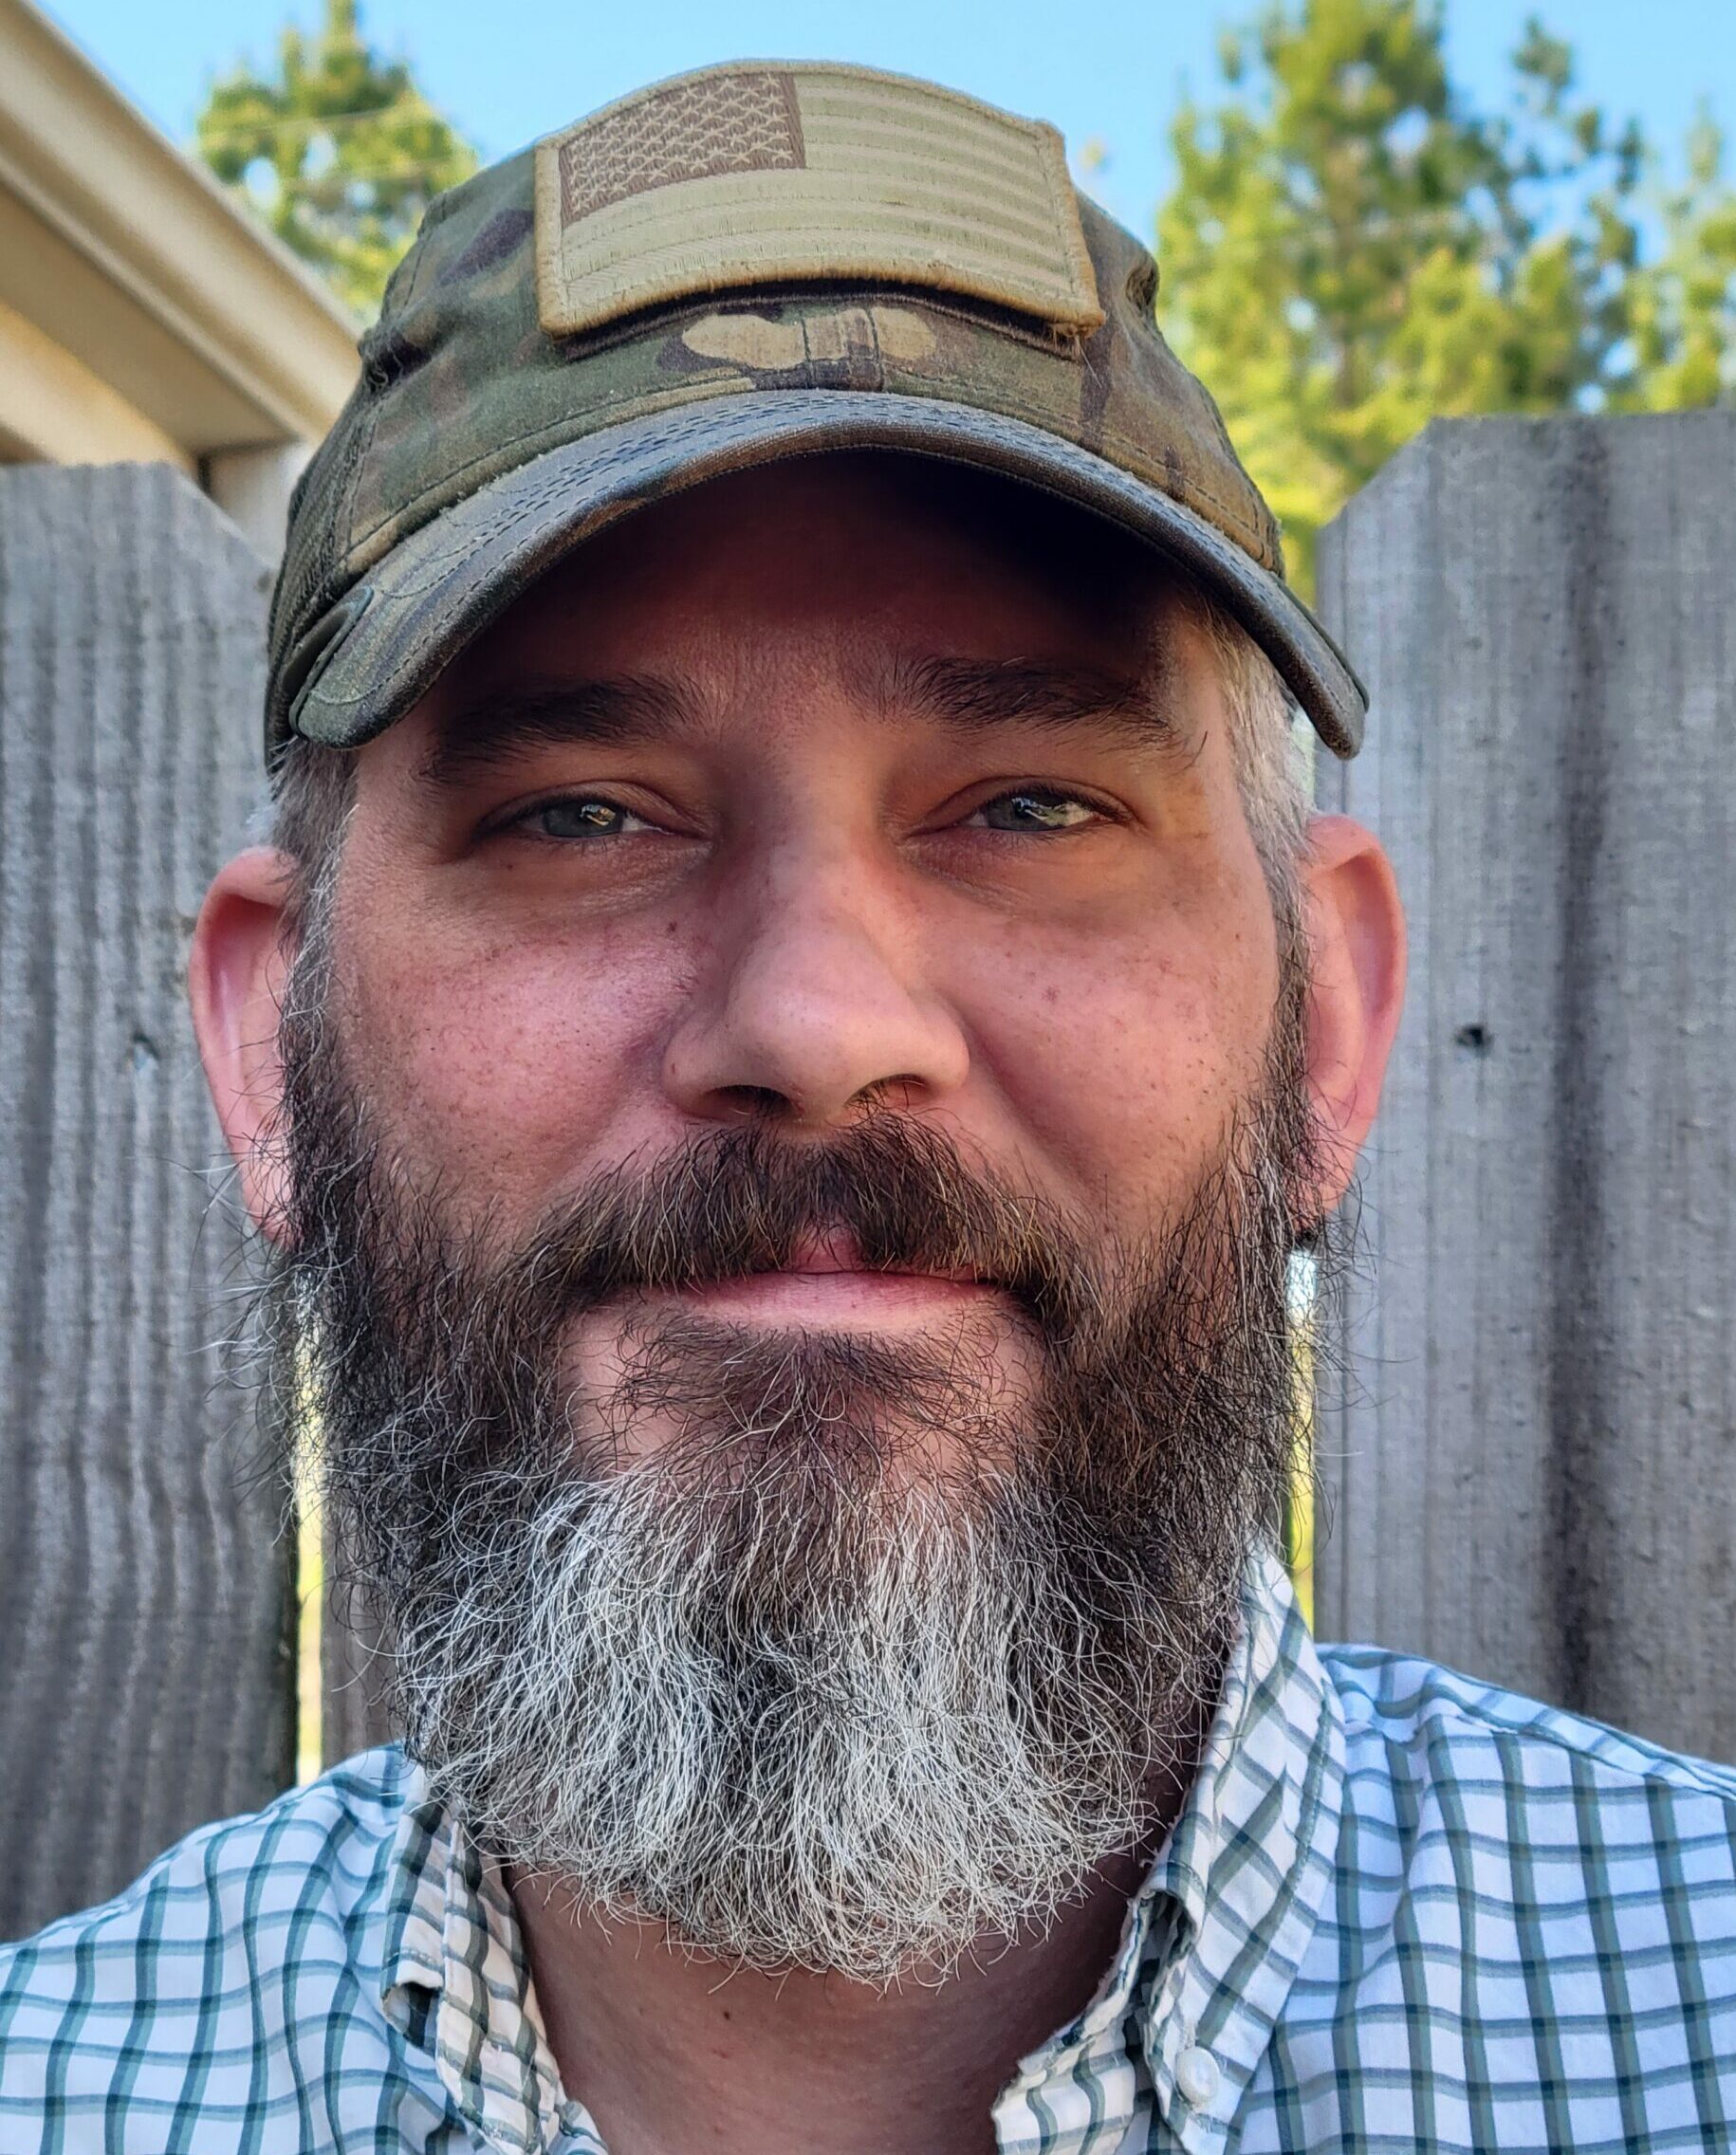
(691, 393)
(700, 391)
(417, 270)
(976, 314)
(407, 659)
(1028, 412)
(1070, 222)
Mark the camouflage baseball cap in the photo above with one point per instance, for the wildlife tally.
(754, 262)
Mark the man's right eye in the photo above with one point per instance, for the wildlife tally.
(581, 816)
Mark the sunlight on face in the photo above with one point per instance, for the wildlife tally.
(823, 787)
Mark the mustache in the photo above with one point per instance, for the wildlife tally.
(745, 1199)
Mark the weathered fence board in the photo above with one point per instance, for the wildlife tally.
(1531, 1469)
(146, 1679)
(354, 1672)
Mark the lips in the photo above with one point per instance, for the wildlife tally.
(827, 1282)
(834, 1252)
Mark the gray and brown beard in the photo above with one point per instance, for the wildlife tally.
(873, 1657)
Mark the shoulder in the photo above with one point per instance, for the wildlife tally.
(1493, 1826)
(312, 1854)
(1527, 1933)
(1412, 1718)
(243, 1948)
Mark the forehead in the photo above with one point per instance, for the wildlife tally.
(835, 550)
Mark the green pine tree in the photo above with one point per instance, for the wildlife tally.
(338, 150)
(1350, 248)
(1680, 307)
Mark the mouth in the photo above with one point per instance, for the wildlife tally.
(828, 1283)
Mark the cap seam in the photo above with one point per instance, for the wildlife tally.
(1297, 652)
(1116, 440)
(1069, 221)
(667, 400)
(976, 314)
(696, 393)
(418, 266)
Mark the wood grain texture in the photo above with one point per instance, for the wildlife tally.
(1531, 1464)
(145, 1603)
(355, 1673)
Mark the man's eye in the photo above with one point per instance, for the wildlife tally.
(581, 816)
(1033, 809)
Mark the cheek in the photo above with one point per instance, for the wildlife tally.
(509, 1062)
(1122, 1054)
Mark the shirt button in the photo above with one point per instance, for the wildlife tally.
(1197, 2076)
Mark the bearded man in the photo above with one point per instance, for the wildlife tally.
(785, 1051)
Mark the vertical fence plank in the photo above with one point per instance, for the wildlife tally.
(354, 1673)
(146, 1588)
(1532, 1465)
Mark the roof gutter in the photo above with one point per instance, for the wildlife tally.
(93, 170)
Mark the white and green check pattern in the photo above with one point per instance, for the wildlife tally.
(1400, 1911)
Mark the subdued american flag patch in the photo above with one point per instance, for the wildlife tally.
(745, 121)
(743, 176)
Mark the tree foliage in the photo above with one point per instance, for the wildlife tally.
(338, 150)
(1351, 247)
(1681, 313)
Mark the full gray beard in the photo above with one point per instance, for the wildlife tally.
(782, 1682)
(860, 1757)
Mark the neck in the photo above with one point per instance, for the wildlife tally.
(670, 2051)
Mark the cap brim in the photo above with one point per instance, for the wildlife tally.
(407, 620)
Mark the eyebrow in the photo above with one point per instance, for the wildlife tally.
(974, 695)
(489, 729)
(967, 695)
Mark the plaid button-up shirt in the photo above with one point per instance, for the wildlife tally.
(1400, 1911)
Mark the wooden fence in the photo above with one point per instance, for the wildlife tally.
(1531, 1455)
(145, 1591)
(1530, 1452)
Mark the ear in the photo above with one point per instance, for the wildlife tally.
(1357, 940)
(241, 953)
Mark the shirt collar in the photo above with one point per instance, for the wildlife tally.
(456, 1981)
(1247, 1868)
(1211, 1948)
(1215, 1936)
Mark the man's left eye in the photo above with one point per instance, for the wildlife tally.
(1033, 808)
(582, 816)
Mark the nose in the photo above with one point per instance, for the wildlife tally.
(812, 1006)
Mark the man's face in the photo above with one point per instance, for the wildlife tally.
(795, 1125)
(808, 792)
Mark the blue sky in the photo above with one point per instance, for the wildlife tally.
(1103, 71)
